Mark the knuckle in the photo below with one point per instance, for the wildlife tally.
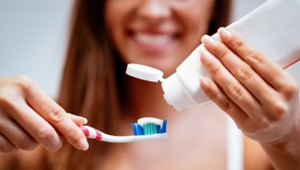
(254, 58)
(264, 124)
(226, 105)
(4, 101)
(290, 89)
(215, 69)
(44, 134)
(23, 81)
(235, 91)
(279, 109)
(13, 88)
(237, 45)
(214, 95)
(7, 103)
(56, 114)
(222, 53)
(244, 73)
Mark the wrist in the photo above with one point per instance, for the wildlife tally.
(285, 153)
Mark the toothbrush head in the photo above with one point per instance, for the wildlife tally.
(149, 126)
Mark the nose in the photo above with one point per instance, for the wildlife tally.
(154, 10)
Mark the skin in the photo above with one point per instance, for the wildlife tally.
(28, 117)
(157, 33)
(260, 96)
(265, 101)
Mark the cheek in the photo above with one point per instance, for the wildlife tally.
(115, 16)
(195, 24)
(195, 30)
(197, 15)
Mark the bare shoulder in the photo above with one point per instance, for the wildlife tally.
(23, 160)
(254, 156)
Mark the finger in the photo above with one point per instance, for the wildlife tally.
(16, 135)
(35, 125)
(6, 146)
(262, 91)
(56, 115)
(79, 120)
(218, 97)
(232, 88)
(264, 66)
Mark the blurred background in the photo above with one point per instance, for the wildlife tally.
(33, 38)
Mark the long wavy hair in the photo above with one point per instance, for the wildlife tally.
(90, 77)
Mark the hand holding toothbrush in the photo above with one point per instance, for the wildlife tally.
(257, 93)
(28, 117)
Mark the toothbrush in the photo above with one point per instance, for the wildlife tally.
(145, 129)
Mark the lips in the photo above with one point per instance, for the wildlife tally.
(152, 39)
(147, 39)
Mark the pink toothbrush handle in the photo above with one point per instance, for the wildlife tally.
(91, 133)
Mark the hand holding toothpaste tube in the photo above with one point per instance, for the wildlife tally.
(256, 92)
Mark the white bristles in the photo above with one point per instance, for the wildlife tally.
(146, 120)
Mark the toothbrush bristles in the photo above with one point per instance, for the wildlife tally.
(149, 128)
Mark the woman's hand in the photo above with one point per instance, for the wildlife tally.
(256, 92)
(29, 117)
(260, 96)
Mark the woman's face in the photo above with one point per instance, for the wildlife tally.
(157, 33)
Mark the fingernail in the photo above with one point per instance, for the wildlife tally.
(79, 119)
(83, 144)
(204, 83)
(85, 121)
(225, 33)
(206, 56)
(209, 40)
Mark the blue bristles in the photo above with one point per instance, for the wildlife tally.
(149, 128)
(137, 129)
(163, 128)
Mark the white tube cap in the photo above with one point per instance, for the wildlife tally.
(144, 72)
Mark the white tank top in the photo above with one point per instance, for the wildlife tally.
(234, 146)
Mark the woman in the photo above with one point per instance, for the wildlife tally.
(106, 35)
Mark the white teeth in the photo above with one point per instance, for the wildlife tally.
(153, 40)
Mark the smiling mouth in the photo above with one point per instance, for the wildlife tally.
(153, 40)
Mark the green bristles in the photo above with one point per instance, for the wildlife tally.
(150, 128)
